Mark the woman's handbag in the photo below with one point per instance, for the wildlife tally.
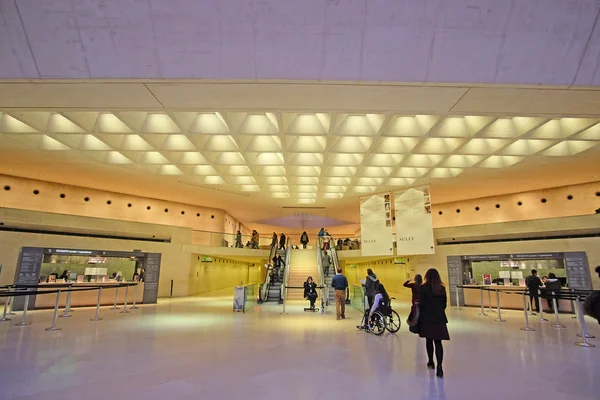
(413, 319)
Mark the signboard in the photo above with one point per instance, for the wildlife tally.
(578, 270)
(239, 298)
(376, 225)
(151, 278)
(455, 278)
(28, 273)
(414, 222)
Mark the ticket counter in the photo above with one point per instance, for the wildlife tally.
(510, 298)
(88, 298)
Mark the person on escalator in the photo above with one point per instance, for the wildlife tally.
(304, 239)
(277, 264)
(326, 263)
(310, 291)
(282, 242)
(274, 240)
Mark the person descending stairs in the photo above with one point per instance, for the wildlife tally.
(303, 263)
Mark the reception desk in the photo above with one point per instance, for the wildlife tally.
(509, 296)
(86, 298)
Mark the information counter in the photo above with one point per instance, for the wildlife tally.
(86, 298)
(510, 298)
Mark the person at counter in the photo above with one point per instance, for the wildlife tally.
(533, 284)
(65, 275)
(552, 283)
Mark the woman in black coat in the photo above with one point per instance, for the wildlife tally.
(310, 291)
(432, 317)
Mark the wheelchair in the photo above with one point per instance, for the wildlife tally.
(383, 318)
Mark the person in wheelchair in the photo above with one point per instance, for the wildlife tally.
(381, 303)
(310, 292)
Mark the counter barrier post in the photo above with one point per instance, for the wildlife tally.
(529, 306)
(125, 310)
(4, 317)
(53, 327)
(542, 314)
(11, 300)
(25, 307)
(116, 298)
(557, 324)
(65, 313)
(499, 319)
(527, 328)
(457, 300)
(134, 307)
(583, 326)
(573, 307)
(490, 300)
(482, 313)
(284, 297)
(98, 306)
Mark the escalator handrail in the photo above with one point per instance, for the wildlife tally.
(320, 267)
(286, 270)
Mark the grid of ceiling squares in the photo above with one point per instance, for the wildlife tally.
(300, 156)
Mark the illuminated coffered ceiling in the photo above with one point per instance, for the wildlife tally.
(302, 158)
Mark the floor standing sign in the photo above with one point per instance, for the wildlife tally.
(151, 278)
(376, 225)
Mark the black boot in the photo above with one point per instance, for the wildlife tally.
(440, 372)
(430, 364)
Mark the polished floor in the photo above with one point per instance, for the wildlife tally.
(197, 348)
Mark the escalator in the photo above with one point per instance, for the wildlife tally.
(271, 289)
(333, 267)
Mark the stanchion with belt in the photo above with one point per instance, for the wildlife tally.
(541, 309)
(555, 304)
(499, 319)
(67, 312)
(53, 327)
(457, 300)
(5, 313)
(134, 307)
(489, 299)
(25, 307)
(582, 325)
(114, 307)
(125, 310)
(98, 306)
(527, 328)
(482, 313)
(284, 298)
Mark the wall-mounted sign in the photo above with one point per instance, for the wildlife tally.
(414, 223)
(376, 225)
(207, 259)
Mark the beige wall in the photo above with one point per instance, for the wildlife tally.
(206, 277)
(391, 275)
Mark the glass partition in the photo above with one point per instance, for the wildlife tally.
(220, 239)
(56, 265)
(252, 296)
(357, 297)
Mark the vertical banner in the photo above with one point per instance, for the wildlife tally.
(414, 224)
(376, 225)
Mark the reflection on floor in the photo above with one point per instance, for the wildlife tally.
(197, 348)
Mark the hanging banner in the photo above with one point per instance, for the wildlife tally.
(414, 224)
(376, 225)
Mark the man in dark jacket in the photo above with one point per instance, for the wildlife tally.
(552, 286)
(340, 284)
(277, 264)
(326, 263)
(533, 283)
(282, 242)
(370, 285)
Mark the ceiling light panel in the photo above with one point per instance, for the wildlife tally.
(358, 125)
(341, 181)
(333, 189)
(483, 146)
(304, 188)
(569, 148)
(339, 171)
(241, 180)
(110, 123)
(562, 128)
(351, 144)
(160, 123)
(363, 189)
(395, 145)
(592, 133)
(204, 170)
(461, 161)
(500, 161)
(369, 181)
(260, 143)
(399, 182)
(304, 180)
(304, 171)
(422, 160)
(226, 158)
(383, 160)
(460, 126)
(278, 188)
(306, 124)
(305, 195)
(305, 144)
(259, 124)
(236, 170)
(410, 125)
(249, 188)
(169, 170)
(280, 195)
(127, 142)
(276, 171)
(344, 159)
(209, 124)
(445, 172)
(10, 124)
(212, 180)
(410, 172)
(438, 145)
(375, 172)
(305, 201)
(153, 157)
(332, 195)
(192, 157)
(527, 147)
(265, 158)
(315, 159)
